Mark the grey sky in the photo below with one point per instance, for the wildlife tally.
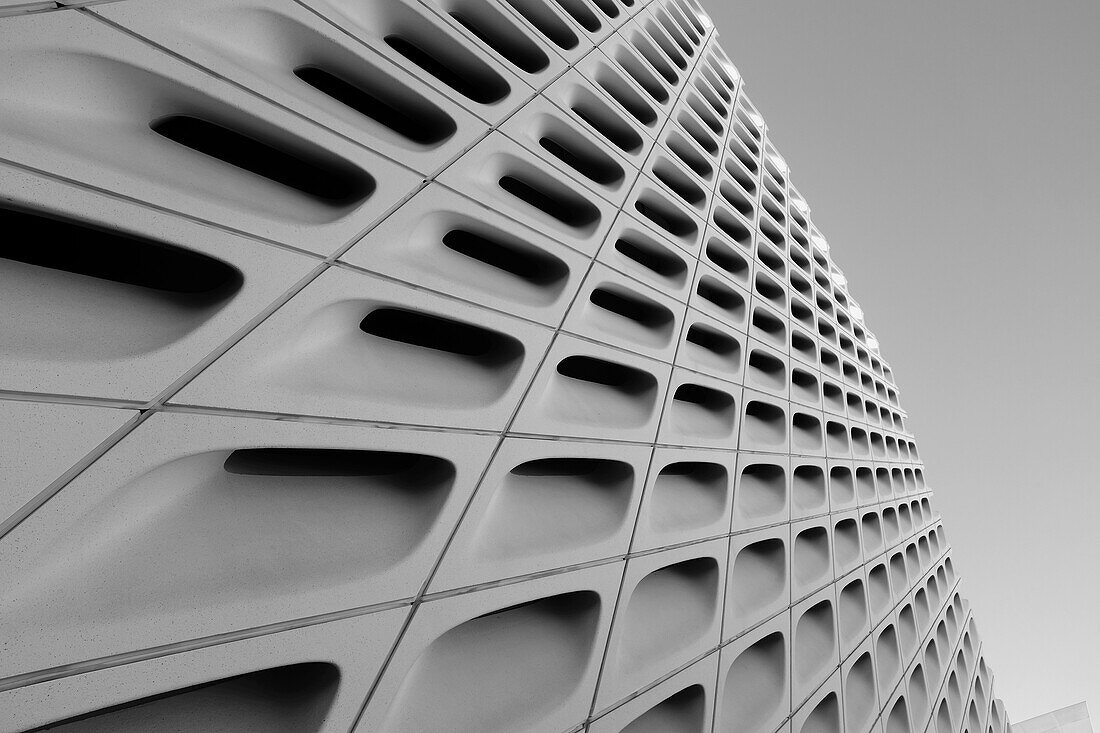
(950, 153)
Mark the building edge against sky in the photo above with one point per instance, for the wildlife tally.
(442, 365)
(1070, 719)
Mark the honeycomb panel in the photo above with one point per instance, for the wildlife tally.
(441, 365)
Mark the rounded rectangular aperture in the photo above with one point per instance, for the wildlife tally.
(319, 177)
(291, 699)
(125, 295)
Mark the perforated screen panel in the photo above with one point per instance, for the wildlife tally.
(440, 365)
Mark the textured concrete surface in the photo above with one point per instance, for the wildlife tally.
(453, 365)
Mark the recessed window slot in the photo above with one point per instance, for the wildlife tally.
(620, 90)
(329, 183)
(556, 202)
(650, 53)
(619, 377)
(601, 119)
(714, 341)
(546, 22)
(774, 235)
(770, 289)
(744, 180)
(679, 183)
(711, 98)
(704, 113)
(804, 345)
(653, 257)
(457, 68)
(607, 7)
(579, 11)
(728, 260)
(501, 35)
(736, 198)
(189, 278)
(584, 157)
(774, 209)
(527, 263)
(291, 699)
(746, 158)
(674, 33)
(728, 300)
(666, 44)
(770, 325)
(691, 157)
(767, 369)
(749, 125)
(642, 311)
(393, 106)
(645, 79)
(732, 227)
(441, 334)
(666, 216)
(802, 313)
(711, 400)
(697, 133)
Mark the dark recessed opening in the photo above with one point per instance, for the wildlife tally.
(608, 124)
(557, 202)
(747, 159)
(642, 311)
(772, 233)
(800, 283)
(469, 77)
(691, 157)
(640, 74)
(764, 412)
(656, 60)
(500, 35)
(732, 228)
(728, 300)
(802, 313)
(578, 11)
(774, 209)
(652, 256)
(189, 278)
(697, 133)
(441, 334)
(768, 323)
(583, 157)
(399, 109)
(607, 7)
(326, 181)
(744, 180)
(714, 341)
(804, 381)
(712, 400)
(413, 469)
(726, 259)
(666, 44)
(546, 22)
(666, 216)
(770, 289)
(803, 344)
(527, 263)
(619, 90)
(291, 699)
(620, 377)
(770, 368)
(674, 32)
(679, 183)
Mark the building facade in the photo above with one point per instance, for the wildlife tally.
(441, 365)
(1070, 719)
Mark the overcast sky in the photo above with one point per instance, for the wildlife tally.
(950, 154)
